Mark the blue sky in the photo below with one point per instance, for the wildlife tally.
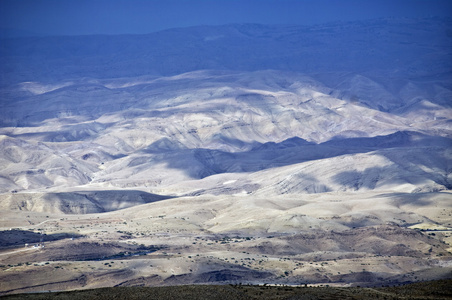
(79, 17)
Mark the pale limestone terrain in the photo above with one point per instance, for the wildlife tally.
(233, 176)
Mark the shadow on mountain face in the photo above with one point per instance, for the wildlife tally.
(302, 182)
(100, 201)
(371, 177)
(313, 185)
(238, 274)
(200, 163)
(410, 167)
(393, 140)
(413, 199)
(434, 163)
(67, 133)
(17, 237)
(355, 180)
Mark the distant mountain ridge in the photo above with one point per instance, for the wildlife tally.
(388, 47)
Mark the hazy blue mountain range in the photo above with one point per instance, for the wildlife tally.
(398, 48)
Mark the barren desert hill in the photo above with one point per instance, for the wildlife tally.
(199, 124)
(227, 154)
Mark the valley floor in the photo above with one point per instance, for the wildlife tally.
(378, 240)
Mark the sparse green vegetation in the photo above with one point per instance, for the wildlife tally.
(435, 290)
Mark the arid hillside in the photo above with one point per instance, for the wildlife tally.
(241, 154)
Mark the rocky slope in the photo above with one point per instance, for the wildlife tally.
(242, 153)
